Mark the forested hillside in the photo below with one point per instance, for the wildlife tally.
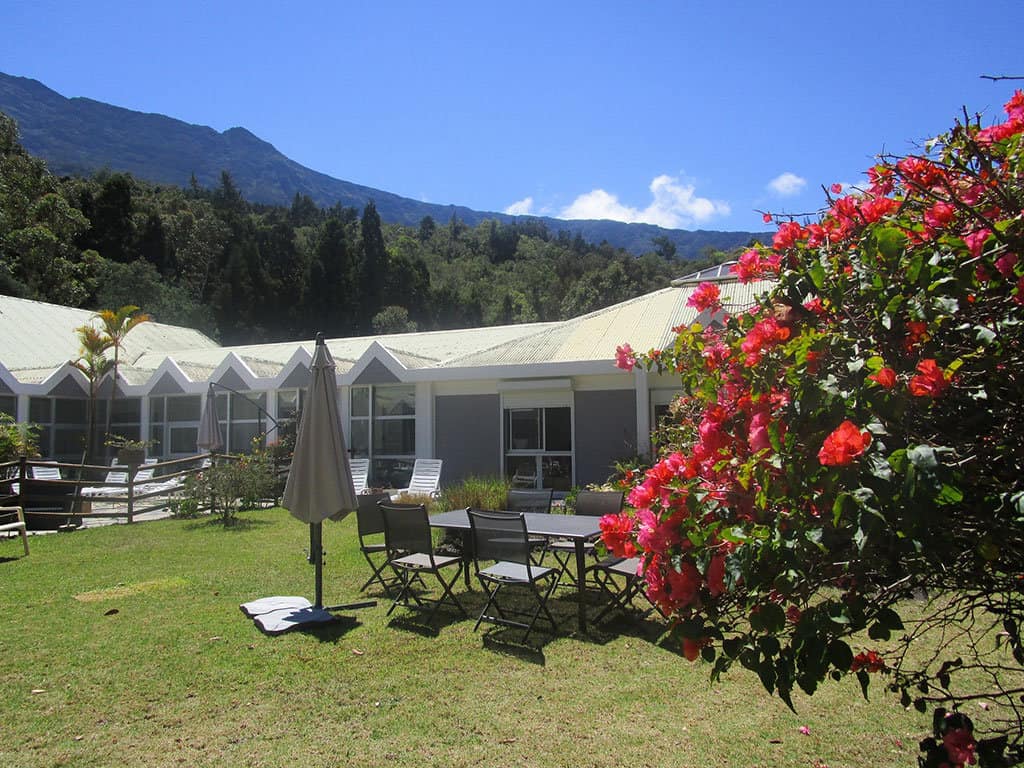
(208, 259)
(80, 137)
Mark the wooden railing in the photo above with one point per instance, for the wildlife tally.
(53, 502)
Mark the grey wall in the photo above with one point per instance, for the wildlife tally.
(467, 435)
(605, 432)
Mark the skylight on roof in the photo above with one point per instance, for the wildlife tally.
(717, 272)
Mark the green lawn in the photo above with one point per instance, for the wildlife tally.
(124, 646)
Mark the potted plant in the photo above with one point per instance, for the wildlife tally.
(129, 452)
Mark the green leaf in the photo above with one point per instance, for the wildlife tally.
(889, 619)
(839, 655)
(865, 680)
(878, 632)
(914, 266)
(923, 457)
(817, 274)
(891, 242)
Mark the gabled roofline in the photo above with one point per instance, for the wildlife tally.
(383, 355)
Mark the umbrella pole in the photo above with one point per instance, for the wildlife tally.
(317, 553)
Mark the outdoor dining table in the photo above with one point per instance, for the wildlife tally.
(577, 528)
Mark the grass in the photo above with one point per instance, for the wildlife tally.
(124, 645)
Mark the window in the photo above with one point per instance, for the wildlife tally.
(538, 446)
(63, 426)
(382, 428)
(243, 419)
(174, 424)
(9, 405)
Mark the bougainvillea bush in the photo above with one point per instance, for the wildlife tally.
(849, 482)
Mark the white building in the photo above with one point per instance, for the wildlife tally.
(543, 401)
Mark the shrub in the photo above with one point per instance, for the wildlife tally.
(857, 440)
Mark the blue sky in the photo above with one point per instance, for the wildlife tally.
(686, 114)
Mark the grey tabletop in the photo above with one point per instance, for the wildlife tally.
(566, 526)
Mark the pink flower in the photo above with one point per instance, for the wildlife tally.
(836, 188)
(845, 444)
(939, 215)
(960, 746)
(624, 357)
(1006, 263)
(976, 241)
(804, 730)
(706, 296)
(757, 435)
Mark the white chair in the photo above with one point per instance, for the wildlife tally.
(425, 480)
(46, 472)
(99, 491)
(360, 474)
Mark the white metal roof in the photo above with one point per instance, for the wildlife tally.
(37, 338)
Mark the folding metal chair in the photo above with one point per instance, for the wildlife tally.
(607, 574)
(410, 551)
(370, 522)
(531, 500)
(500, 538)
(595, 504)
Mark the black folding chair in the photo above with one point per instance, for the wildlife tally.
(410, 550)
(500, 538)
(595, 504)
(531, 500)
(618, 579)
(370, 522)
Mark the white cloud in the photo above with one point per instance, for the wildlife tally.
(787, 184)
(674, 205)
(522, 207)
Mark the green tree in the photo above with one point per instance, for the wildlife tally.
(373, 264)
(115, 326)
(393, 319)
(94, 365)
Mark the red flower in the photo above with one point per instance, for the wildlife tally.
(917, 332)
(844, 445)
(691, 648)
(617, 534)
(886, 378)
(929, 381)
(706, 296)
(960, 746)
(870, 661)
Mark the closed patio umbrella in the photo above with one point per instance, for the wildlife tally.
(320, 483)
(209, 438)
(319, 486)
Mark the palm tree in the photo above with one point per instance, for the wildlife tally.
(94, 365)
(116, 326)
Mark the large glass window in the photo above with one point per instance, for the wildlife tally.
(9, 405)
(538, 447)
(63, 426)
(243, 420)
(382, 428)
(174, 424)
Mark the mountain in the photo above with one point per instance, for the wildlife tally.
(80, 136)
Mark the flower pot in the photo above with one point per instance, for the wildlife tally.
(131, 456)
